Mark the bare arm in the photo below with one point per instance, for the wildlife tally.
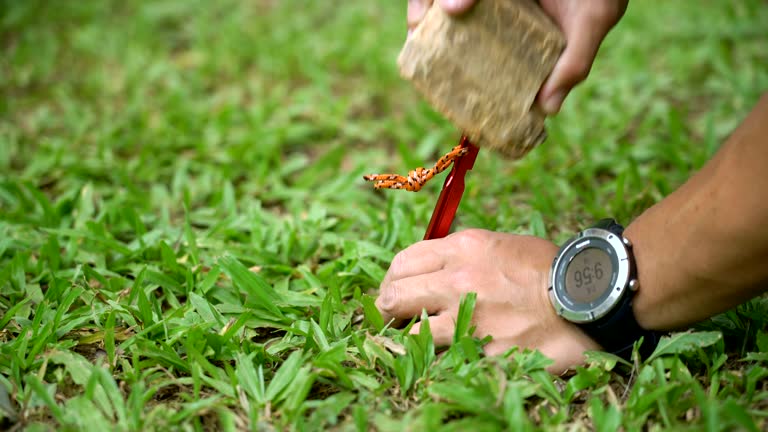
(704, 249)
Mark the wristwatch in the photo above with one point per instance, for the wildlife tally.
(593, 282)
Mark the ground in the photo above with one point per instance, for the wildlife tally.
(186, 242)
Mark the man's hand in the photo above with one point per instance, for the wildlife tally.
(584, 23)
(510, 275)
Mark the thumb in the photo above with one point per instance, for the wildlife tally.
(571, 68)
(416, 11)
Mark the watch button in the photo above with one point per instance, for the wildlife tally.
(634, 285)
(626, 242)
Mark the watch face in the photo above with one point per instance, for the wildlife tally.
(588, 275)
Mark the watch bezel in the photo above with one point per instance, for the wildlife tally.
(593, 311)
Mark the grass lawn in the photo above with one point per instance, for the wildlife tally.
(186, 242)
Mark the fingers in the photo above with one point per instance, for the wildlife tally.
(585, 25)
(406, 298)
(416, 11)
(412, 282)
(442, 327)
(572, 68)
(420, 258)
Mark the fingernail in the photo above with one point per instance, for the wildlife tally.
(454, 6)
(386, 302)
(416, 10)
(410, 32)
(552, 104)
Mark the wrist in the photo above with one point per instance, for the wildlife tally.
(672, 292)
(643, 306)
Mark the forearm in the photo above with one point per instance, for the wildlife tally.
(704, 248)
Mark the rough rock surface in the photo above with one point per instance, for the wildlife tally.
(482, 70)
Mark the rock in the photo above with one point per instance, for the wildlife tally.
(482, 70)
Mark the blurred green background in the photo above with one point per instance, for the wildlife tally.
(288, 102)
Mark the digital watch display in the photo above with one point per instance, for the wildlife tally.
(590, 275)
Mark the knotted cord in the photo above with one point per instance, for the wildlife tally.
(417, 177)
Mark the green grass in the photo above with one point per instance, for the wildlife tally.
(186, 242)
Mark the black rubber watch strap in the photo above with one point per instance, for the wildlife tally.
(610, 225)
(618, 331)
